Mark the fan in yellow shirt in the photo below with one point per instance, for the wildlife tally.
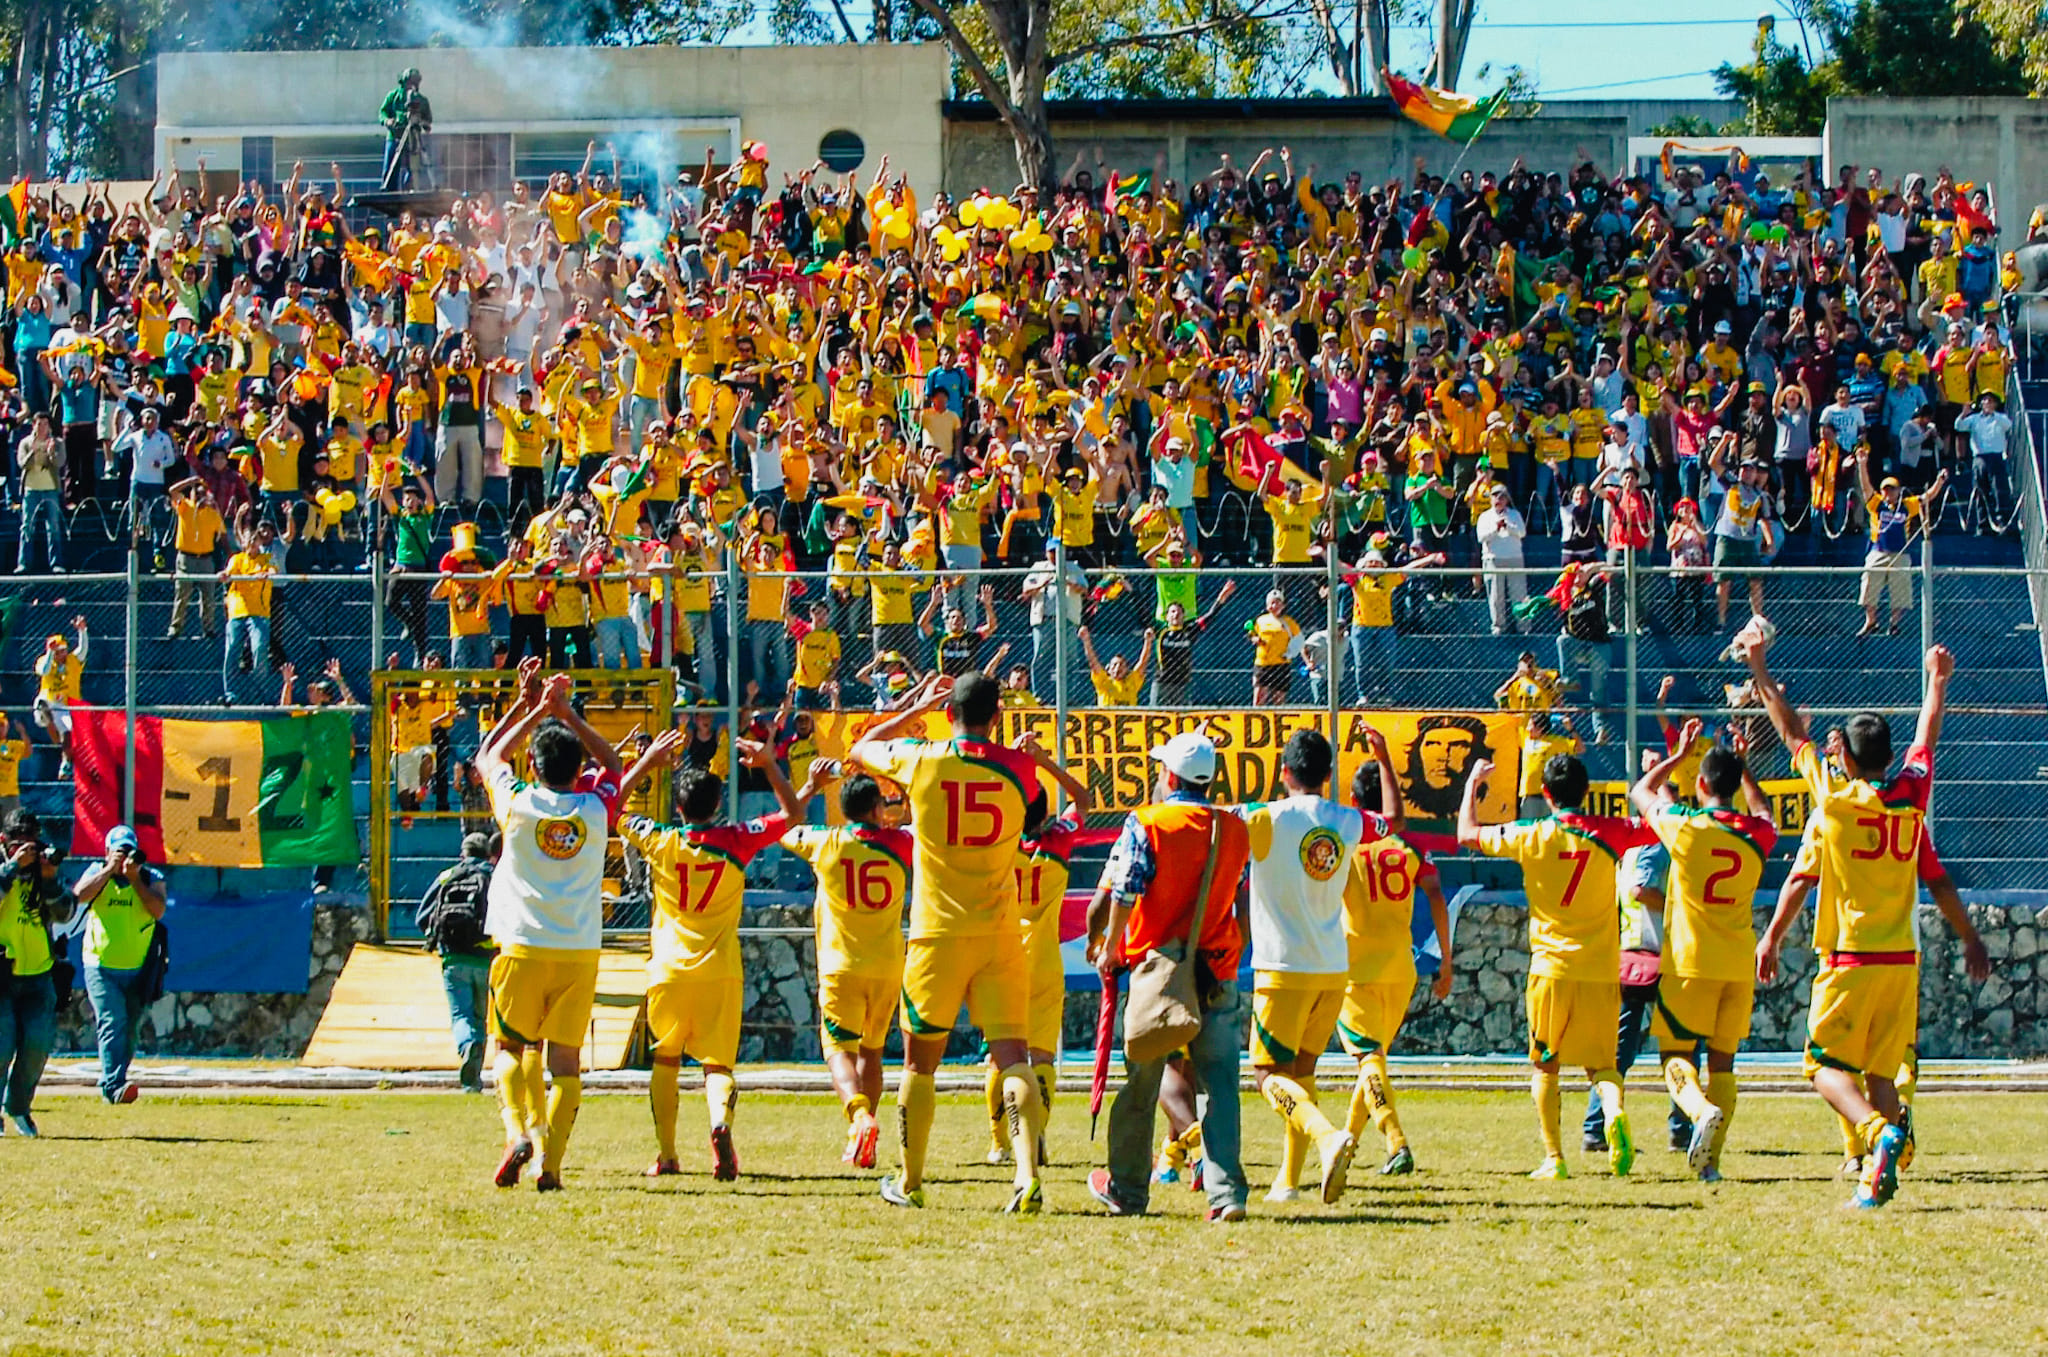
(1276, 640)
(1118, 683)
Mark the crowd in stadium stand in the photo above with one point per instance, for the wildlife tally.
(821, 372)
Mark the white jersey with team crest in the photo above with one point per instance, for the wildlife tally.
(548, 889)
(1301, 853)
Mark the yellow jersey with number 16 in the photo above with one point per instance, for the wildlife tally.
(863, 880)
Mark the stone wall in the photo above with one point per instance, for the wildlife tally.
(2006, 1017)
(226, 1024)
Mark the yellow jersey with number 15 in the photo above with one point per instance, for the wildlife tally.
(969, 803)
(1569, 862)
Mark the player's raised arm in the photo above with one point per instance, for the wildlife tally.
(760, 756)
(1468, 805)
(1391, 809)
(1785, 718)
(519, 718)
(1653, 789)
(656, 755)
(928, 695)
(1076, 790)
(555, 697)
(1941, 667)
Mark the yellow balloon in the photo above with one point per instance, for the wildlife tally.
(896, 230)
(970, 212)
(951, 243)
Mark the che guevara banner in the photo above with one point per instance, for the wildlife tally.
(271, 793)
(1109, 748)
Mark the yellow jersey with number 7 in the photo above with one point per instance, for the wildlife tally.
(968, 807)
(1568, 865)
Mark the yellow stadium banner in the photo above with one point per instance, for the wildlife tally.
(212, 782)
(1790, 802)
(1110, 750)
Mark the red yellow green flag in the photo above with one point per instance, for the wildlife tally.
(272, 793)
(14, 213)
(1447, 114)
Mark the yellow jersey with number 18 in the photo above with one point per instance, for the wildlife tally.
(969, 803)
(1379, 910)
(1569, 862)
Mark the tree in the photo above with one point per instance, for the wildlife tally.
(1011, 50)
(2014, 28)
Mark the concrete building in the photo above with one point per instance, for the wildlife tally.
(524, 112)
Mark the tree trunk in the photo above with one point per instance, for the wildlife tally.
(1021, 28)
(38, 166)
(1453, 30)
(26, 60)
(1031, 129)
(1378, 25)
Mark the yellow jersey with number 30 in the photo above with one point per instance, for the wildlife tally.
(1717, 863)
(969, 802)
(863, 880)
(1569, 862)
(1868, 849)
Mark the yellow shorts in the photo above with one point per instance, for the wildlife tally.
(854, 1011)
(1574, 1022)
(539, 996)
(1048, 1003)
(1293, 1015)
(1690, 1009)
(1372, 1014)
(1863, 1018)
(988, 973)
(699, 1018)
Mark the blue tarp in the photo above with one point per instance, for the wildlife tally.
(254, 945)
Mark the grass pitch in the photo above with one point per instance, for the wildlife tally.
(367, 1224)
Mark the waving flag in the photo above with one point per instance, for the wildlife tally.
(269, 793)
(1447, 114)
(14, 213)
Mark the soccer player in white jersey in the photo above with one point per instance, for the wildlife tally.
(1301, 855)
(546, 914)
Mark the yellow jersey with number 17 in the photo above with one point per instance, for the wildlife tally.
(969, 803)
(1717, 863)
(700, 876)
(863, 880)
(1569, 862)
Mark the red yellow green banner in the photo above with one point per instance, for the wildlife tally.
(1443, 112)
(272, 793)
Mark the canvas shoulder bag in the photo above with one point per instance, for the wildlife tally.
(1163, 1009)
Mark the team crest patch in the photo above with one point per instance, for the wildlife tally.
(561, 839)
(1322, 852)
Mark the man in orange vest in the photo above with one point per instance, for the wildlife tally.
(1151, 878)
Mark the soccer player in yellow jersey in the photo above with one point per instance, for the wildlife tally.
(1707, 987)
(970, 800)
(1568, 861)
(1866, 997)
(1042, 857)
(863, 871)
(1379, 910)
(694, 991)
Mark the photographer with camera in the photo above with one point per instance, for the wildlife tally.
(31, 972)
(126, 898)
(451, 918)
(407, 118)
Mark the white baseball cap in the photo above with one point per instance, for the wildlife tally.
(1190, 756)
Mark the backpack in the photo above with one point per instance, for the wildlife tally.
(451, 913)
(156, 965)
(1586, 619)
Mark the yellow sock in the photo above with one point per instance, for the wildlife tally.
(1190, 1140)
(1549, 1099)
(1682, 1077)
(1607, 1083)
(1909, 1077)
(536, 1071)
(998, 1123)
(664, 1096)
(1379, 1100)
(1298, 1105)
(1357, 1114)
(1852, 1139)
(858, 1106)
(1048, 1077)
(514, 1101)
(563, 1100)
(916, 1100)
(1721, 1093)
(1026, 1117)
(721, 1095)
(1871, 1127)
